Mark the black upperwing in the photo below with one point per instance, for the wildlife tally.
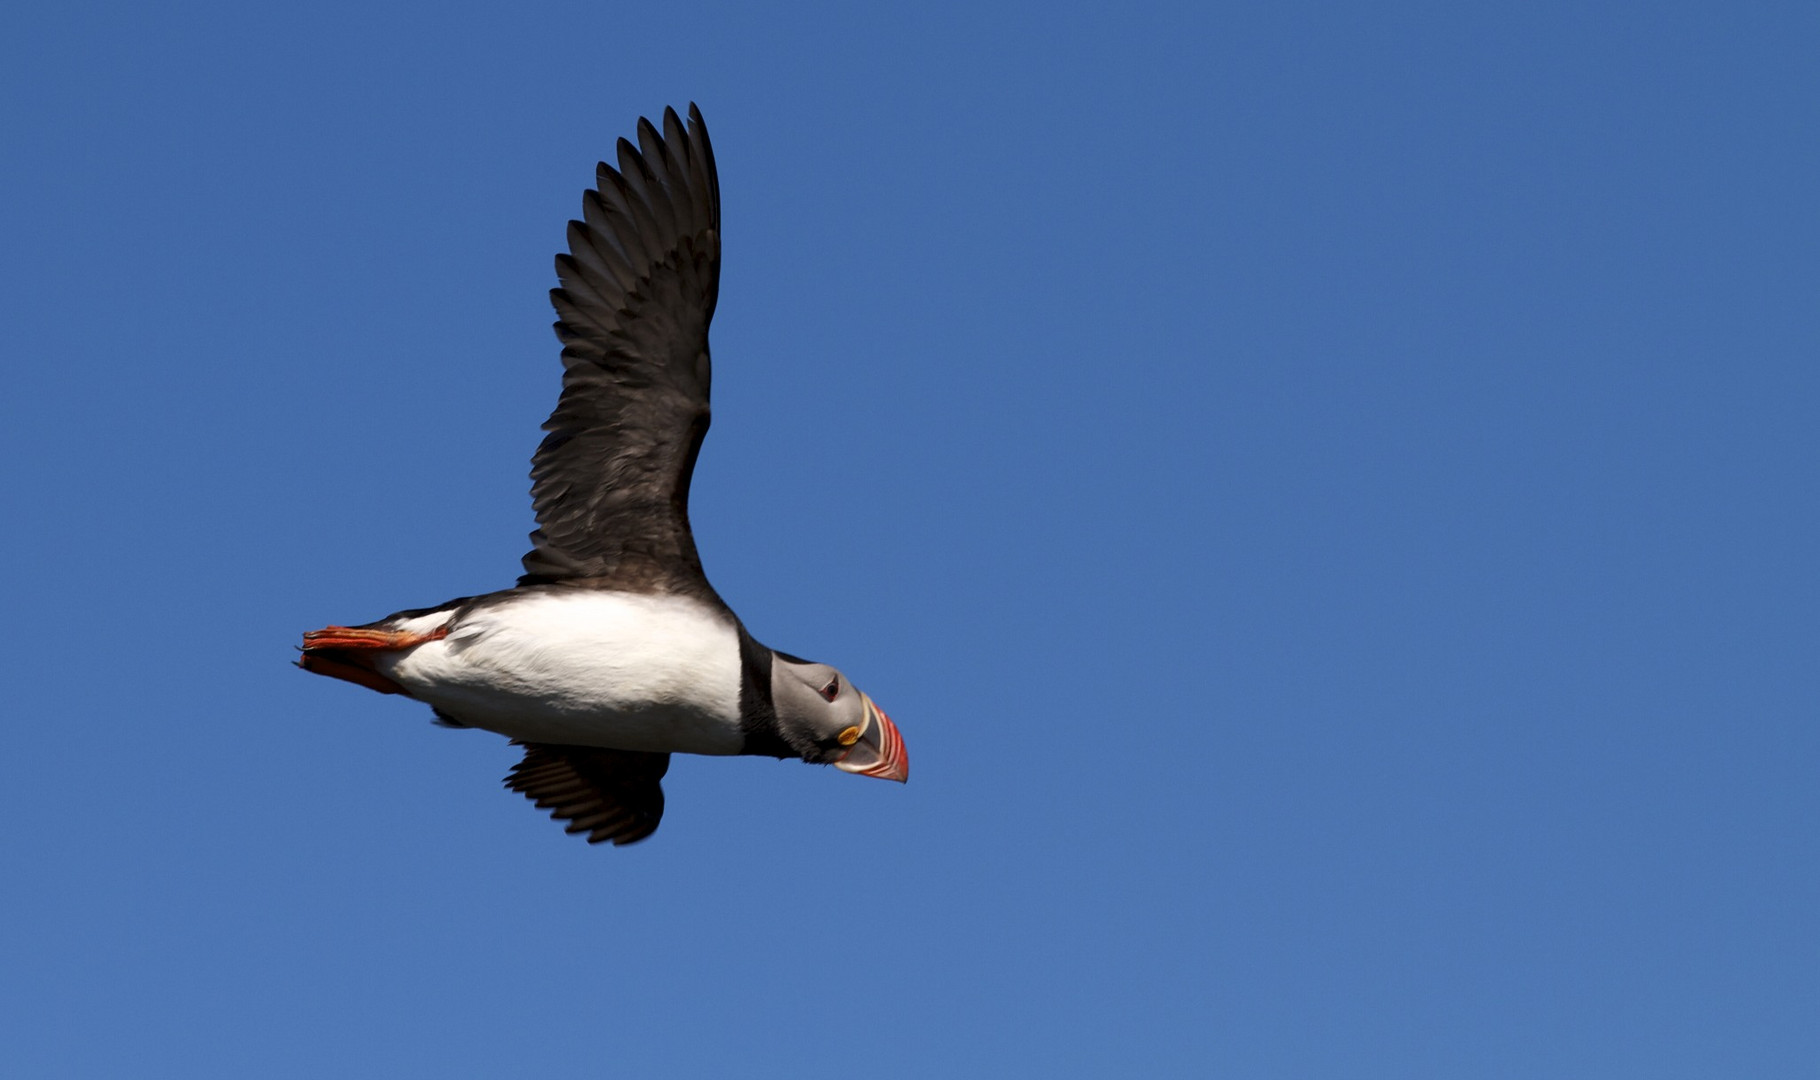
(610, 482)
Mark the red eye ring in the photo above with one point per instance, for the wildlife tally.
(832, 690)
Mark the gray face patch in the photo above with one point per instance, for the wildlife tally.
(816, 706)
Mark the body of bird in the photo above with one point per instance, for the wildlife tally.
(584, 667)
(613, 652)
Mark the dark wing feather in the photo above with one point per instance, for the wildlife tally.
(608, 794)
(610, 483)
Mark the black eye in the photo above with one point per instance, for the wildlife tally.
(832, 690)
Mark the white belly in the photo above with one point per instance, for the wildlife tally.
(587, 668)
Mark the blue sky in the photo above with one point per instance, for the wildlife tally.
(1327, 493)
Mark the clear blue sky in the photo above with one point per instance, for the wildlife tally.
(1328, 493)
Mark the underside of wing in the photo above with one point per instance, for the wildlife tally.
(608, 794)
(610, 482)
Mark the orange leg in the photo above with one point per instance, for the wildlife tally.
(349, 637)
(346, 652)
(359, 676)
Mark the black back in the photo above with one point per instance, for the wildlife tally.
(610, 483)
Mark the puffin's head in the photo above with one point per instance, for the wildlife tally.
(833, 722)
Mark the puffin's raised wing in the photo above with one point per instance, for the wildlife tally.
(610, 483)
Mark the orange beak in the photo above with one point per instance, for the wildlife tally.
(880, 749)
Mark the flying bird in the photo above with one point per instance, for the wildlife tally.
(613, 652)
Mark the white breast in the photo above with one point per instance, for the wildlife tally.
(587, 668)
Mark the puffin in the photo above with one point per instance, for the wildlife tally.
(612, 652)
